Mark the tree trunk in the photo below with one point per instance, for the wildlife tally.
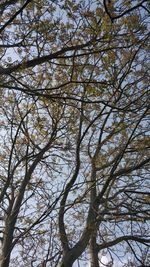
(94, 252)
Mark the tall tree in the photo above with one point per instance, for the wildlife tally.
(75, 138)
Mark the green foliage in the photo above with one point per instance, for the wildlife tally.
(74, 158)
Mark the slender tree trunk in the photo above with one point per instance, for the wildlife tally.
(94, 251)
(7, 245)
(93, 248)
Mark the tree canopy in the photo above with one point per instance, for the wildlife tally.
(74, 133)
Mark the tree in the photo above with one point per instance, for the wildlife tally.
(74, 133)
